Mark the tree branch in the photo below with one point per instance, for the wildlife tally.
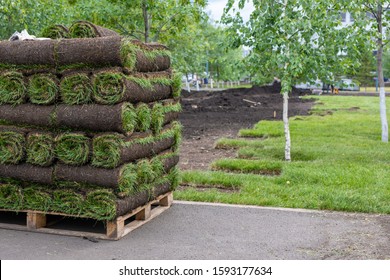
(371, 10)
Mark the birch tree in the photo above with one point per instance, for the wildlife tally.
(295, 41)
(373, 18)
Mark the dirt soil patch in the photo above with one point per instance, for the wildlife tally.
(210, 115)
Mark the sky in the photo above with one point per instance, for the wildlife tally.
(216, 9)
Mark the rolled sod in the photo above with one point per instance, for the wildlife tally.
(143, 119)
(67, 201)
(119, 118)
(12, 147)
(112, 150)
(101, 51)
(11, 197)
(57, 31)
(43, 89)
(86, 29)
(164, 113)
(100, 205)
(73, 148)
(36, 198)
(12, 88)
(76, 88)
(115, 87)
(29, 52)
(40, 149)
(28, 172)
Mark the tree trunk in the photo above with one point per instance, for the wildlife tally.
(381, 81)
(146, 20)
(287, 149)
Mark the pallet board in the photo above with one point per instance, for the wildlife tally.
(50, 222)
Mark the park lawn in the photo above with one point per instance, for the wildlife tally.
(338, 162)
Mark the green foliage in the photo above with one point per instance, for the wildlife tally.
(72, 148)
(11, 147)
(12, 88)
(76, 89)
(40, 149)
(43, 89)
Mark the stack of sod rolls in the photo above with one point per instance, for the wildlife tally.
(88, 123)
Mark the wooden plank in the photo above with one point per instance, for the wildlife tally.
(144, 214)
(35, 220)
(167, 200)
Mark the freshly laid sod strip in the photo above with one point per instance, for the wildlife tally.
(12, 88)
(264, 129)
(85, 29)
(12, 147)
(76, 89)
(67, 201)
(228, 143)
(119, 118)
(57, 31)
(73, 148)
(338, 162)
(115, 87)
(248, 166)
(112, 150)
(11, 197)
(36, 198)
(101, 51)
(43, 89)
(40, 149)
(212, 178)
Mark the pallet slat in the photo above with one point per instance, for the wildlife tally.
(36, 221)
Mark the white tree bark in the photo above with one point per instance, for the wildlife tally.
(287, 149)
(382, 104)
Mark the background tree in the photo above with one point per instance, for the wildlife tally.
(371, 16)
(294, 40)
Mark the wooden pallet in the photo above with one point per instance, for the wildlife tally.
(45, 222)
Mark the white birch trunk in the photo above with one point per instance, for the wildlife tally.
(197, 85)
(188, 86)
(382, 106)
(287, 149)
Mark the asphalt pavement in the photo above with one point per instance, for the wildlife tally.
(215, 231)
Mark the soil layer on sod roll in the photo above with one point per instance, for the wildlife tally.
(73, 53)
(86, 29)
(125, 180)
(28, 52)
(111, 87)
(28, 114)
(119, 118)
(28, 172)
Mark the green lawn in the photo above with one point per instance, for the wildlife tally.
(339, 162)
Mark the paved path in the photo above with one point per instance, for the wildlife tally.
(205, 231)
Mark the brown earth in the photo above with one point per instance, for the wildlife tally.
(210, 115)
